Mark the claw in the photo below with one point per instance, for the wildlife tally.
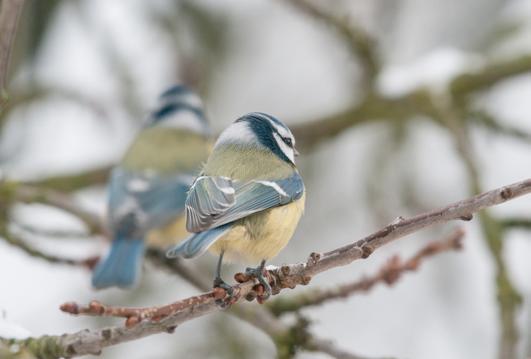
(258, 273)
(226, 301)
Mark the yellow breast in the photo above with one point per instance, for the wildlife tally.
(262, 235)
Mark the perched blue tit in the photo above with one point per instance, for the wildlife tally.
(147, 190)
(248, 199)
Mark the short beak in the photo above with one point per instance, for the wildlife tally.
(295, 152)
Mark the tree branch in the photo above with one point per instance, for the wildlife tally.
(489, 75)
(516, 223)
(488, 121)
(52, 232)
(39, 92)
(13, 191)
(16, 241)
(389, 274)
(74, 182)
(375, 107)
(152, 320)
(450, 113)
(10, 11)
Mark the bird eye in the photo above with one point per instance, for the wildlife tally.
(287, 141)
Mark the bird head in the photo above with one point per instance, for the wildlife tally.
(179, 107)
(262, 131)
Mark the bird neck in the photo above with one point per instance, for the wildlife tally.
(166, 150)
(246, 163)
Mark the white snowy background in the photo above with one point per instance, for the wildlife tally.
(284, 63)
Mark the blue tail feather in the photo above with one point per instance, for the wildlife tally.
(122, 265)
(198, 243)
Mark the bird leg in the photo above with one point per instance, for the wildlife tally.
(220, 283)
(258, 273)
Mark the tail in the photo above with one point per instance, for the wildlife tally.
(122, 265)
(198, 243)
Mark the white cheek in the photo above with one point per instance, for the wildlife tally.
(288, 151)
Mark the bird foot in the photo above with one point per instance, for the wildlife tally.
(226, 300)
(263, 290)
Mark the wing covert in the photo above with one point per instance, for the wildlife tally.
(209, 207)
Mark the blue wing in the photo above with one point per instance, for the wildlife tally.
(141, 201)
(214, 201)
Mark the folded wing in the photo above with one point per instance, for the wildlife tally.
(215, 201)
(139, 202)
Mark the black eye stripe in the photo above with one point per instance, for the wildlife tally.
(286, 140)
(267, 133)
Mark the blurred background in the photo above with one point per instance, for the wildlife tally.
(398, 107)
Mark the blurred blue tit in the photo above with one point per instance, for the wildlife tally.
(248, 199)
(147, 190)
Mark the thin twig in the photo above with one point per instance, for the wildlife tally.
(165, 318)
(158, 258)
(16, 241)
(389, 274)
(516, 223)
(53, 233)
(485, 119)
(76, 181)
(38, 92)
(13, 191)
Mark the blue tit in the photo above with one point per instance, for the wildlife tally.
(248, 199)
(147, 190)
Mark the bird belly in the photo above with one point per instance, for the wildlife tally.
(260, 236)
(168, 235)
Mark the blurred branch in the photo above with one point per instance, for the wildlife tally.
(10, 11)
(14, 352)
(158, 257)
(488, 76)
(296, 337)
(38, 92)
(12, 192)
(16, 241)
(358, 40)
(75, 182)
(509, 299)
(200, 36)
(52, 233)
(142, 322)
(490, 122)
(389, 274)
(375, 107)
(515, 223)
